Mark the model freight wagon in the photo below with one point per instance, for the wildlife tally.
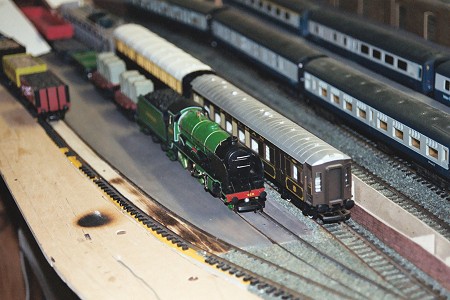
(47, 93)
(50, 25)
(44, 90)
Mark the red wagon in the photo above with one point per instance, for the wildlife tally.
(47, 93)
(49, 24)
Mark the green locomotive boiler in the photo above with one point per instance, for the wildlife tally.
(226, 168)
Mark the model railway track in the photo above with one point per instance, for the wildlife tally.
(399, 278)
(417, 210)
(409, 286)
(313, 261)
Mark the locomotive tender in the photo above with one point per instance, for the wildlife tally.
(228, 170)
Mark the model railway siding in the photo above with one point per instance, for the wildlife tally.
(359, 247)
(397, 276)
(329, 263)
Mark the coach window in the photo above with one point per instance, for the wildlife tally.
(318, 182)
(376, 54)
(269, 7)
(365, 49)
(269, 154)
(335, 98)
(345, 41)
(277, 11)
(398, 133)
(206, 107)
(228, 126)
(447, 85)
(241, 135)
(217, 118)
(432, 152)
(401, 64)
(414, 142)
(389, 59)
(254, 145)
(382, 124)
(287, 16)
(348, 106)
(323, 92)
(362, 113)
(334, 36)
(295, 173)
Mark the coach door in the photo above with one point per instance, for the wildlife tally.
(333, 183)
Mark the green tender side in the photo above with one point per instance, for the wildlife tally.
(205, 134)
(87, 60)
(150, 118)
